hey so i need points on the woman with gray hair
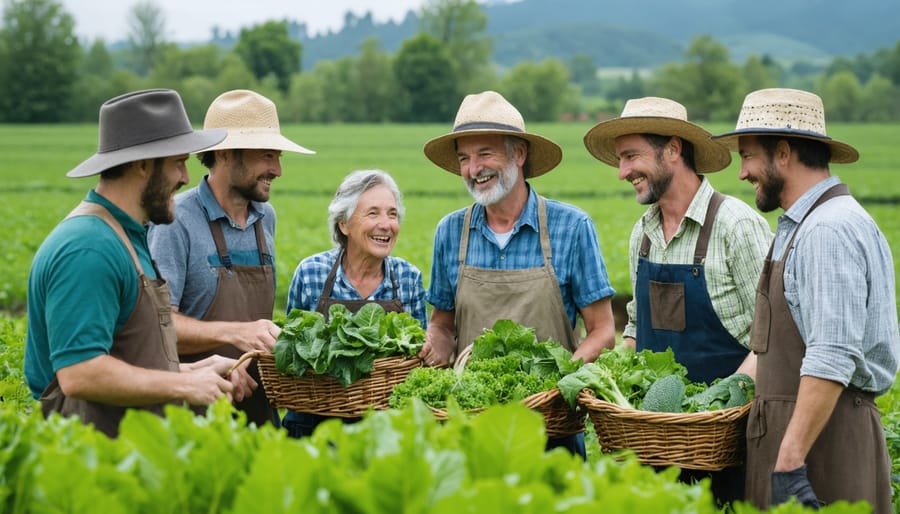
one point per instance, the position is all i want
(364, 219)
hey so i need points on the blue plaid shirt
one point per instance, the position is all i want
(312, 272)
(576, 260)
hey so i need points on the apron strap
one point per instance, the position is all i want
(464, 237)
(832, 192)
(262, 249)
(546, 251)
(95, 209)
(706, 230)
(261, 246)
(221, 248)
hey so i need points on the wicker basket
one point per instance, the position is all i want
(321, 394)
(559, 419)
(708, 441)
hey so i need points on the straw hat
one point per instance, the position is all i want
(251, 120)
(788, 112)
(489, 113)
(144, 125)
(652, 115)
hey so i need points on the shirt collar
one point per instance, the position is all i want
(700, 204)
(128, 223)
(214, 211)
(529, 216)
(806, 201)
(696, 211)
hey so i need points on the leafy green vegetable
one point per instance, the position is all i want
(507, 364)
(347, 345)
(732, 391)
(653, 381)
(621, 375)
(597, 378)
(664, 395)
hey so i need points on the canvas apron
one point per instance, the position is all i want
(530, 296)
(243, 293)
(303, 424)
(849, 460)
(674, 310)
(147, 340)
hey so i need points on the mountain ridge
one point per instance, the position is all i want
(644, 33)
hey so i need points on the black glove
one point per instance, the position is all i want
(787, 484)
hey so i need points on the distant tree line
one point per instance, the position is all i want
(47, 75)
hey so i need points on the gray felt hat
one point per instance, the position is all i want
(144, 125)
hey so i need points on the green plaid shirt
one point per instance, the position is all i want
(737, 248)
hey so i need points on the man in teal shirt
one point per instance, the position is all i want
(100, 334)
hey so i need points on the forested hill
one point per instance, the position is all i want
(646, 33)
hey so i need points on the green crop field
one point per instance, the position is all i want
(35, 194)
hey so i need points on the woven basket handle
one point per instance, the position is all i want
(249, 355)
(462, 358)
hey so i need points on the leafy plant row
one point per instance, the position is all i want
(393, 461)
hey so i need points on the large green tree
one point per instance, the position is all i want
(708, 84)
(267, 49)
(461, 26)
(540, 91)
(428, 84)
(146, 36)
(93, 86)
(39, 57)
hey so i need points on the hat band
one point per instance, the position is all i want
(786, 131)
(485, 125)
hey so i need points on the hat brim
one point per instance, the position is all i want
(841, 153)
(543, 154)
(259, 139)
(709, 156)
(177, 145)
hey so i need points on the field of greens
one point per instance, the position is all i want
(153, 461)
(35, 194)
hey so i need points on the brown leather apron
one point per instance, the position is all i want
(243, 293)
(849, 460)
(146, 340)
(326, 300)
(530, 296)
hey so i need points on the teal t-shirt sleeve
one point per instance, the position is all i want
(91, 294)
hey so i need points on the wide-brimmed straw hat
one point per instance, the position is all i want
(661, 116)
(489, 113)
(251, 120)
(144, 125)
(788, 112)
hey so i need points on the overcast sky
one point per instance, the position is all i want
(192, 20)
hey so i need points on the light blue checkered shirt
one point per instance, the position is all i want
(839, 285)
(312, 272)
(577, 260)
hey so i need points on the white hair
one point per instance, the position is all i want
(347, 195)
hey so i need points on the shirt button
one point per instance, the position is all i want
(502, 257)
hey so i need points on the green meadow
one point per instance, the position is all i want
(35, 194)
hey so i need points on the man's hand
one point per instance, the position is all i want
(204, 386)
(256, 335)
(242, 383)
(794, 483)
(440, 339)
